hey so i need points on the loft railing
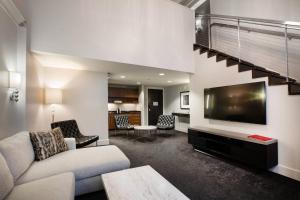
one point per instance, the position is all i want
(284, 26)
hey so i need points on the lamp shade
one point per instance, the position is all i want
(14, 80)
(53, 96)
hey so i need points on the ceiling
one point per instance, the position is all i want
(121, 73)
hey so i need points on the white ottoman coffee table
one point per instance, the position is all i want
(147, 129)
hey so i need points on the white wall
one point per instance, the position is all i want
(12, 58)
(85, 98)
(267, 9)
(283, 111)
(156, 33)
(172, 104)
(35, 96)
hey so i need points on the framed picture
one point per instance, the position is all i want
(185, 100)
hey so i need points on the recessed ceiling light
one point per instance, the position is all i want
(123, 76)
(161, 74)
(170, 81)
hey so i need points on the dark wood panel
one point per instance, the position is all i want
(123, 100)
(126, 94)
(111, 121)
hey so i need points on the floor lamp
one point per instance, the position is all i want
(53, 97)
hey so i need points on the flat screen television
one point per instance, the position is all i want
(240, 103)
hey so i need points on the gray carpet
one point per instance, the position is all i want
(199, 176)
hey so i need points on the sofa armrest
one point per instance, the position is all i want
(71, 142)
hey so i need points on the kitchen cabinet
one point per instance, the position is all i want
(124, 94)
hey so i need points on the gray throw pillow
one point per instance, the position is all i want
(47, 144)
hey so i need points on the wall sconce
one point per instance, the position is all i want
(14, 84)
(52, 97)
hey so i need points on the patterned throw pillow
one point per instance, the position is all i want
(60, 141)
(47, 144)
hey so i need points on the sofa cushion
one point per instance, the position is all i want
(47, 144)
(18, 153)
(84, 163)
(59, 187)
(6, 178)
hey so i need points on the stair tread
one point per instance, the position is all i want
(233, 58)
(221, 56)
(246, 63)
(196, 47)
(282, 77)
(294, 88)
(261, 69)
(211, 53)
(295, 83)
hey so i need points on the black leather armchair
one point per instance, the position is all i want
(166, 122)
(122, 123)
(70, 129)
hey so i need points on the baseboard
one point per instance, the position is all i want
(287, 171)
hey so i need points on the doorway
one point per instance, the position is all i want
(155, 105)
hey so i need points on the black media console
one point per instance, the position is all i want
(236, 146)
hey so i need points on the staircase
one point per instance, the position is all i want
(287, 33)
(257, 71)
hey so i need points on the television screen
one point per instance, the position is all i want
(240, 103)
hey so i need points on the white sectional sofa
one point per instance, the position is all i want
(60, 177)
